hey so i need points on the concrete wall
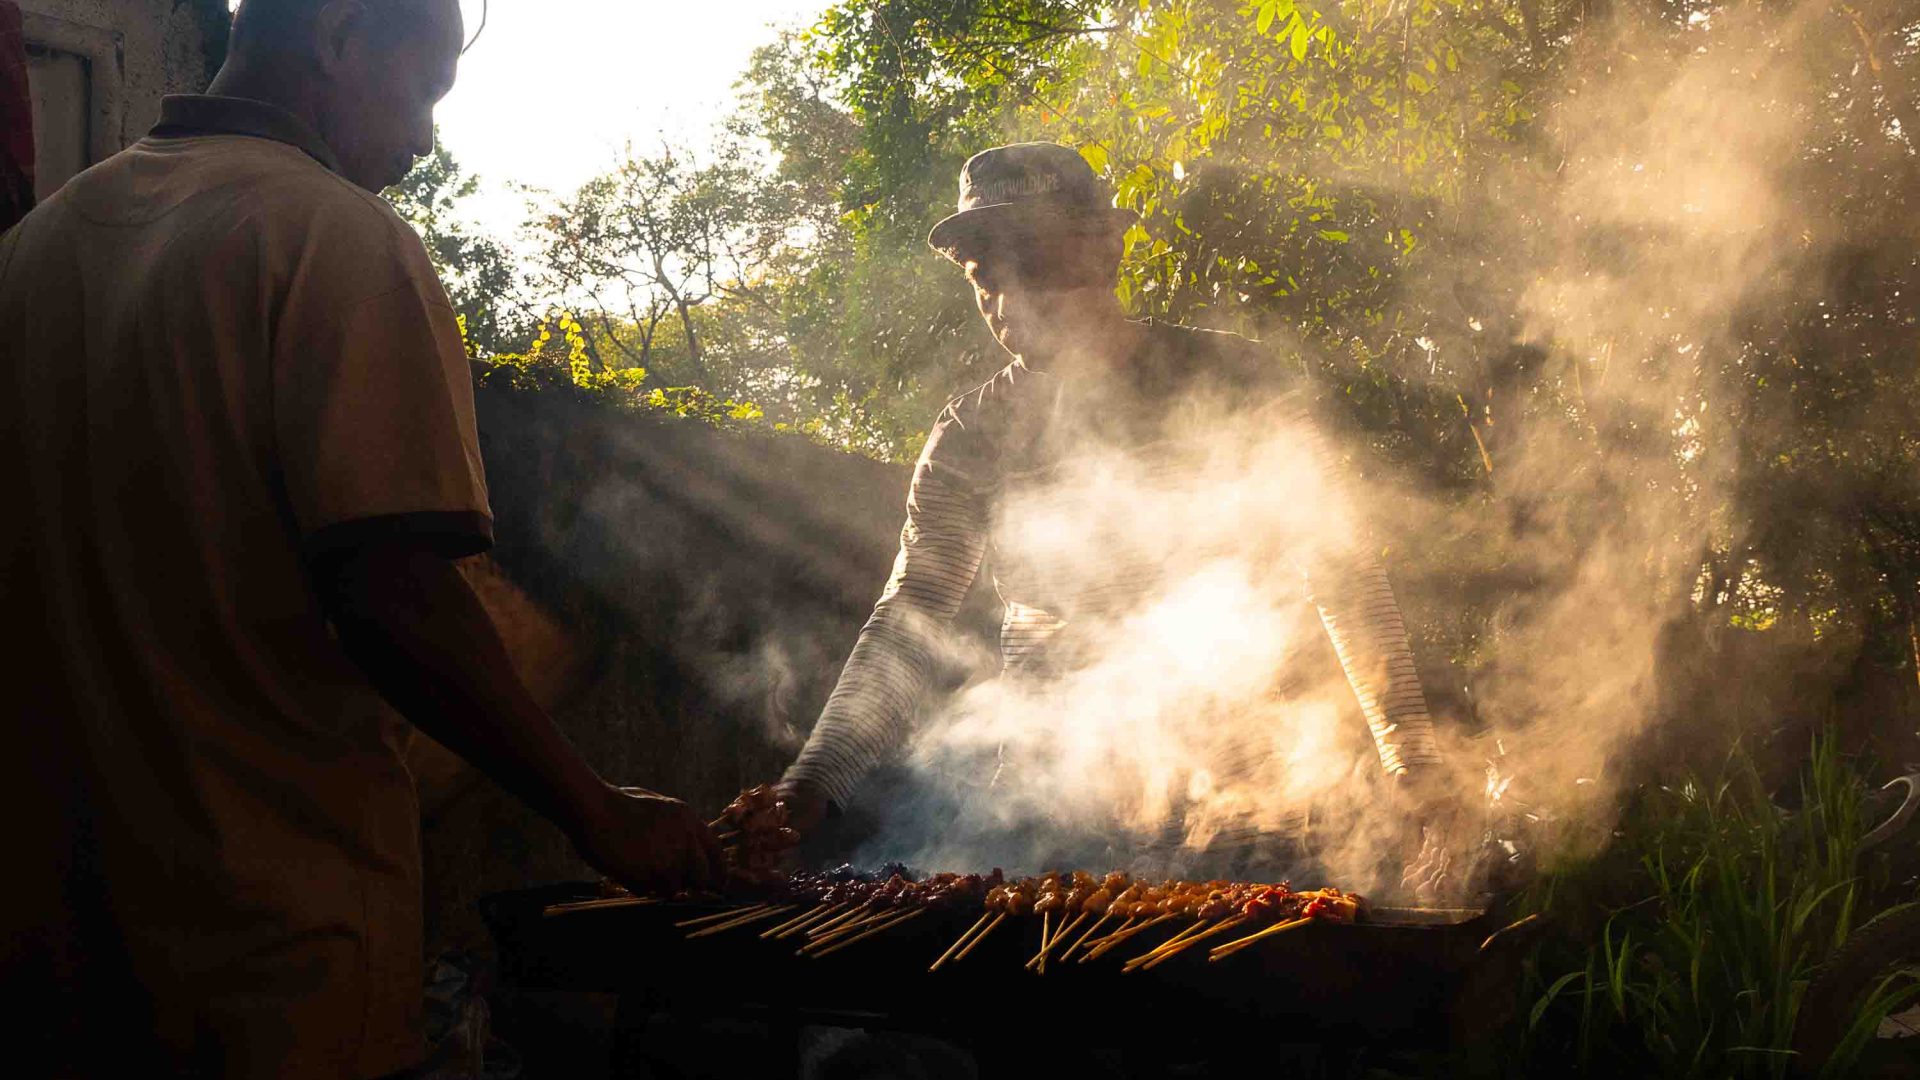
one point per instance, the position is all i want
(681, 598)
(98, 68)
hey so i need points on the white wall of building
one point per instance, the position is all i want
(97, 70)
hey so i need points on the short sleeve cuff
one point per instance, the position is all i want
(453, 534)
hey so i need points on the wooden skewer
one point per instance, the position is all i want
(1091, 930)
(844, 917)
(717, 822)
(886, 925)
(723, 916)
(1071, 927)
(716, 928)
(1172, 944)
(1166, 953)
(880, 915)
(1053, 942)
(590, 905)
(1097, 942)
(961, 940)
(1114, 939)
(806, 926)
(797, 920)
(726, 836)
(981, 936)
(854, 927)
(792, 923)
(1044, 916)
(1059, 934)
(1138, 930)
(1188, 932)
(1235, 946)
(1177, 938)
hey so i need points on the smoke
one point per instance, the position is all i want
(1205, 726)
(1201, 711)
(1670, 214)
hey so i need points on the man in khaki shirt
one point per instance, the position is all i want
(237, 455)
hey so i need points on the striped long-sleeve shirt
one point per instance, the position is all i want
(1023, 425)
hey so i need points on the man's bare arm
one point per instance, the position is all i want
(414, 626)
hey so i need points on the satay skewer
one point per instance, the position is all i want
(961, 940)
(1167, 952)
(1069, 928)
(1114, 941)
(1091, 930)
(857, 926)
(716, 928)
(981, 936)
(724, 916)
(593, 905)
(1111, 940)
(1191, 929)
(844, 917)
(806, 926)
(887, 925)
(812, 913)
(1223, 951)
(1048, 944)
(1124, 926)
(876, 915)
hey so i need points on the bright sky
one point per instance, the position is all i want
(554, 88)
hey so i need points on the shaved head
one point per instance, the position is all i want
(364, 73)
(281, 25)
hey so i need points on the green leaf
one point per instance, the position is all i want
(1546, 999)
(1301, 38)
(1095, 156)
(1334, 236)
(1265, 21)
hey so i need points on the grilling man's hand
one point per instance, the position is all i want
(650, 843)
(1430, 873)
(806, 805)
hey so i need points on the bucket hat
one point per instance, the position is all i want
(1025, 189)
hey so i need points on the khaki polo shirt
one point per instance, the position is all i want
(221, 360)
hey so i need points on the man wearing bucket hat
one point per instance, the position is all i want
(1040, 243)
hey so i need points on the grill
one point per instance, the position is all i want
(1404, 977)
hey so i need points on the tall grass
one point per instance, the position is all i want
(1688, 946)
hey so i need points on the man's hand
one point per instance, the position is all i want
(409, 619)
(806, 805)
(1438, 815)
(649, 843)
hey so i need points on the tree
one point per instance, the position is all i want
(660, 236)
(1533, 255)
(481, 277)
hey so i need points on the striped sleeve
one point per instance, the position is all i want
(1349, 587)
(941, 547)
(1362, 617)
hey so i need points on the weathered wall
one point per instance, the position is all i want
(683, 599)
(98, 68)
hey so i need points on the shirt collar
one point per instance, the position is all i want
(186, 115)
